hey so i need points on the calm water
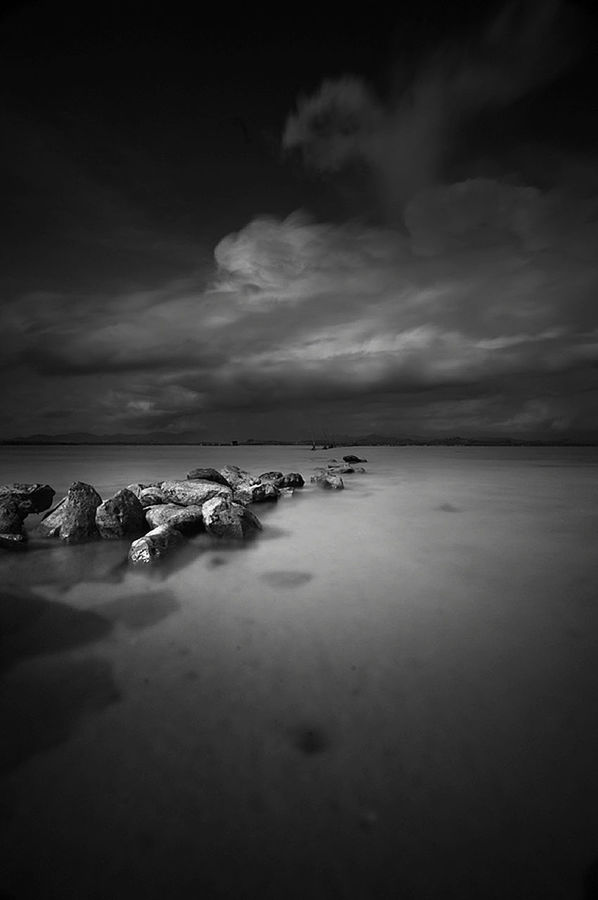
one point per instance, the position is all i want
(392, 693)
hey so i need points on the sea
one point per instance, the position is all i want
(391, 693)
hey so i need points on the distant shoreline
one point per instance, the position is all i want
(357, 443)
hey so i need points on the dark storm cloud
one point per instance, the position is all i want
(406, 138)
(475, 312)
(492, 287)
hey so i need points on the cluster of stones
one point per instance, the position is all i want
(208, 500)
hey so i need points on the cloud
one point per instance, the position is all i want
(404, 140)
(470, 316)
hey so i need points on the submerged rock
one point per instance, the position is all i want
(155, 545)
(73, 520)
(207, 474)
(350, 458)
(120, 516)
(31, 498)
(186, 518)
(328, 481)
(340, 469)
(224, 518)
(13, 541)
(193, 493)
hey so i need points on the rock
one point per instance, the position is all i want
(359, 469)
(256, 493)
(186, 518)
(340, 470)
(193, 493)
(13, 541)
(208, 475)
(74, 519)
(275, 478)
(137, 487)
(353, 459)
(151, 496)
(120, 516)
(328, 481)
(226, 519)
(293, 480)
(236, 476)
(31, 498)
(11, 516)
(155, 545)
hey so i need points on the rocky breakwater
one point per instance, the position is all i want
(159, 517)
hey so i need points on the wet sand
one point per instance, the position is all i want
(391, 693)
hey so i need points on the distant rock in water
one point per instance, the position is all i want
(350, 458)
(73, 520)
(222, 518)
(31, 498)
(120, 516)
(155, 545)
(207, 474)
(193, 493)
(340, 469)
(328, 481)
(187, 519)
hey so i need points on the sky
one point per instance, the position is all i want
(244, 224)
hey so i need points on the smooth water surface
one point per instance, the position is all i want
(393, 692)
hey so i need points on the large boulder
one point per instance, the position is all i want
(120, 516)
(256, 493)
(236, 476)
(74, 519)
(226, 519)
(187, 519)
(155, 545)
(11, 516)
(328, 481)
(351, 458)
(31, 498)
(207, 474)
(193, 493)
(12, 536)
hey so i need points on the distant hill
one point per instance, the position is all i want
(368, 440)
